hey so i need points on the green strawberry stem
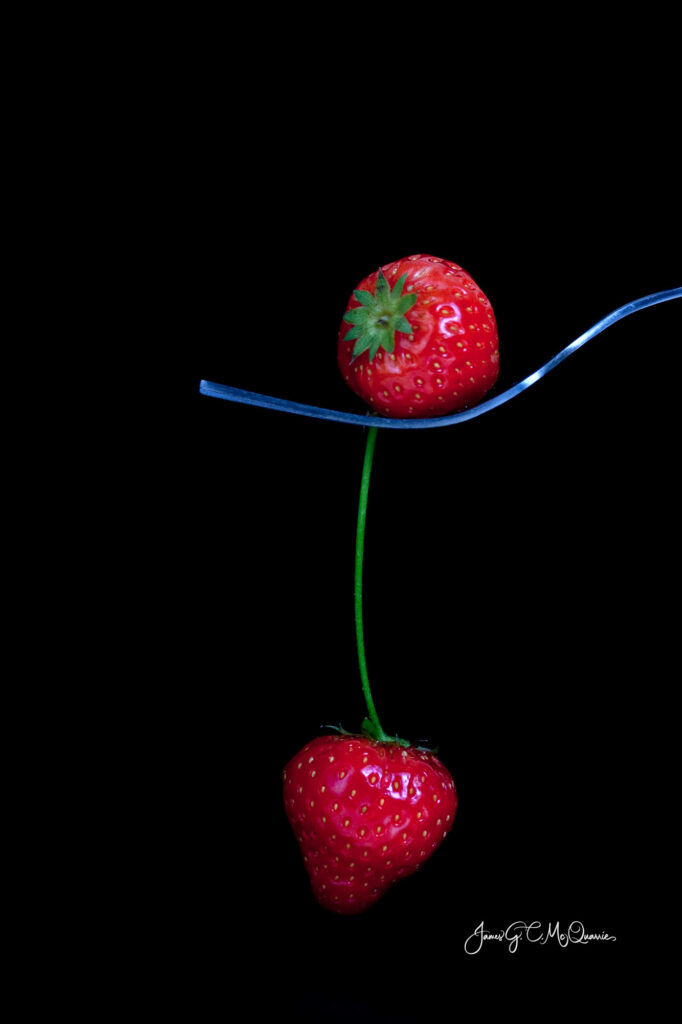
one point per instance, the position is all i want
(371, 725)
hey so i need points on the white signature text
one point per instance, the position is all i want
(534, 933)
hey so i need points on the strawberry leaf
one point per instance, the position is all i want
(405, 302)
(355, 316)
(354, 332)
(375, 344)
(397, 288)
(361, 345)
(382, 292)
(369, 729)
(377, 318)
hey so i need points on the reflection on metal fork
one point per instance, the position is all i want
(367, 419)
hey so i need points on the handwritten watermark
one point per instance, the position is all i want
(534, 933)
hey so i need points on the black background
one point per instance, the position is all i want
(514, 563)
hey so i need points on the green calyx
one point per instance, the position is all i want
(372, 732)
(369, 730)
(377, 318)
(375, 732)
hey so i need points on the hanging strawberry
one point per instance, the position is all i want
(365, 814)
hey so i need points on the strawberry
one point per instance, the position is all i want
(419, 338)
(365, 813)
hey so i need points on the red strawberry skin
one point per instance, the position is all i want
(365, 814)
(450, 360)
